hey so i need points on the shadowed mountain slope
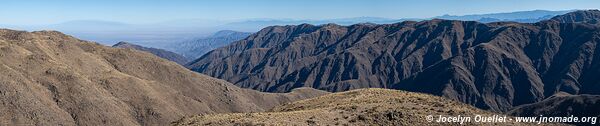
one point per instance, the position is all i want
(493, 66)
(48, 78)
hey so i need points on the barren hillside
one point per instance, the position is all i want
(356, 107)
(48, 78)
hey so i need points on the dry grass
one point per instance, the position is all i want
(357, 107)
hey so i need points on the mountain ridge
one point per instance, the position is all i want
(156, 34)
(518, 16)
(484, 64)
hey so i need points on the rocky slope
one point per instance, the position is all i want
(357, 107)
(48, 78)
(158, 52)
(192, 49)
(493, 66)
(562, 105)
(590, 16)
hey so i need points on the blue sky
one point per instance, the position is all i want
(27, 12)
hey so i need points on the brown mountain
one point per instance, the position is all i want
(590, 16)
(48, 78)
(381, 107)
(158, 52)
(492, 66)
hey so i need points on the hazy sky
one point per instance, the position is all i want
(150, 11)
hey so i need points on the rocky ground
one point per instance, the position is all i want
(357, 107)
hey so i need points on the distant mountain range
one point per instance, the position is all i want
(158, 52)
(519, 16)
(159, 35)
(255, 25)
(493, 66)
(194, 48)
(110, 32)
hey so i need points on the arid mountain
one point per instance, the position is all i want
(158, 52)
(562, 105)
(48, 78)
(381, 107)
(493, 66)
(192, 49)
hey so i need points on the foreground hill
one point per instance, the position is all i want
(493, 66)
(158, 52)
(48, 78)
(356, 107)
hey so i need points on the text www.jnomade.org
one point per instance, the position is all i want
(506, 119)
